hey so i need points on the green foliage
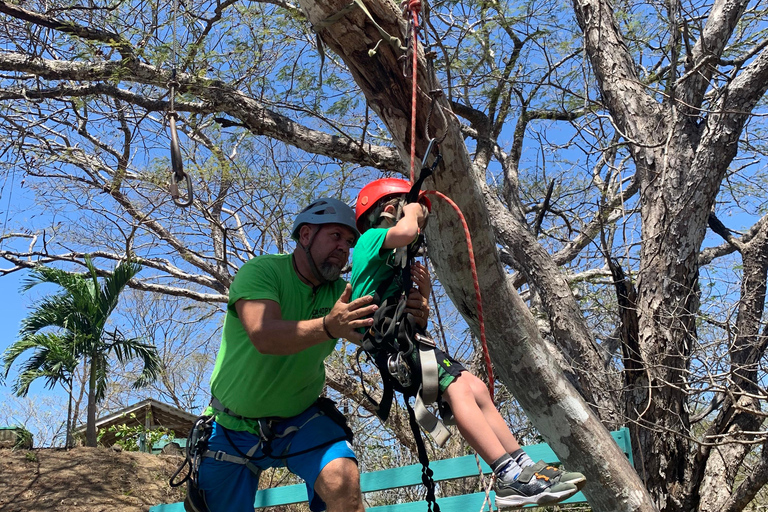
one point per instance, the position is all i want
(23, 439)
(69, 327)
(30, 457)
(129, 437)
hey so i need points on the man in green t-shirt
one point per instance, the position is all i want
(284, 315)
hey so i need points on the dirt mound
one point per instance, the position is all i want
(85, 480)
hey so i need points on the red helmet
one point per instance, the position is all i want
(379, 189)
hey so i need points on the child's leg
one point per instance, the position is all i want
(483, 427)
(471, 418)
(490, 413)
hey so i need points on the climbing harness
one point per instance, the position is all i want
(197, 446)
(197, 441)
(403, 354)
(390, 343)
(176, 163)
(267, 427)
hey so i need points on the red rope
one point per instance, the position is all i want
(478, 298)
(414, 7)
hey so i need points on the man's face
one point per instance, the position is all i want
(330, 249)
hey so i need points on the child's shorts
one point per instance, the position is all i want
(448, 369)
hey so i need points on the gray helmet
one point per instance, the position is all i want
(325, 210)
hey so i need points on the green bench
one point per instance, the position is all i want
(447, 469)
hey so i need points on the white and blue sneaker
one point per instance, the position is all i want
(534, 487)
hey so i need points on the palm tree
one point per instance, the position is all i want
(54, 359)
(78, 316)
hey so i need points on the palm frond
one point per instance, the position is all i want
(134, 348)
(54, 358)
(50, 311)
(64, 328)
(114, 284)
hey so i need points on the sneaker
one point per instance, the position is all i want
(195, 499)
(558, 475)
(532, 488)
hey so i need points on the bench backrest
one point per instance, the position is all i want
(447, 469)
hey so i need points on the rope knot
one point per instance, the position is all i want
(411, 10)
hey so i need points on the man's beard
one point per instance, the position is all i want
(329, 271)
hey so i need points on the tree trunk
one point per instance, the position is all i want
(90, 425)
(520, 355)
(70, 420)
(723, 462)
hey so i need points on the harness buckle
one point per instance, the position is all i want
(399, 369)
(265, 430)
(219, 455)
(425, 340)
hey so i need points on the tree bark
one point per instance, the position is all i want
(90, 424)
(520, 355)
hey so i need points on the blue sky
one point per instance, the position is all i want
(14, 307)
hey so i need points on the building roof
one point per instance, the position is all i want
(150, 413)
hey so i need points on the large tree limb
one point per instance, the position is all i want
(214, 97)
(89, 33)
(623, 93)
(723, 19)
(32, 259)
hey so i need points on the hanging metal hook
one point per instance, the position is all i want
(176, 163)
(433, 143)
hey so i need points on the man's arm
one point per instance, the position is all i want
(271, 335)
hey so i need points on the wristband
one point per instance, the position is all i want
(325, 328)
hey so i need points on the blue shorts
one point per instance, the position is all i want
(232, 487)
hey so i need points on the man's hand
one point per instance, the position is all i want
(347, 317)
(418, 299)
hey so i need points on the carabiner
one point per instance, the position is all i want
(399, 370)
(438, 157)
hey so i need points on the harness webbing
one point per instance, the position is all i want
(197, 441)
(426, 471)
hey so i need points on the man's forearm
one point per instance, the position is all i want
(286, 337)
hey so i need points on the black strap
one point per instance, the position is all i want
(426, 471)
(197, 444)
(382, 407)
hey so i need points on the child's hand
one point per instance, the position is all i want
(418, 306)
(417, 211)
(420, 277)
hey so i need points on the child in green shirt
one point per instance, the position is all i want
(387, 223)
